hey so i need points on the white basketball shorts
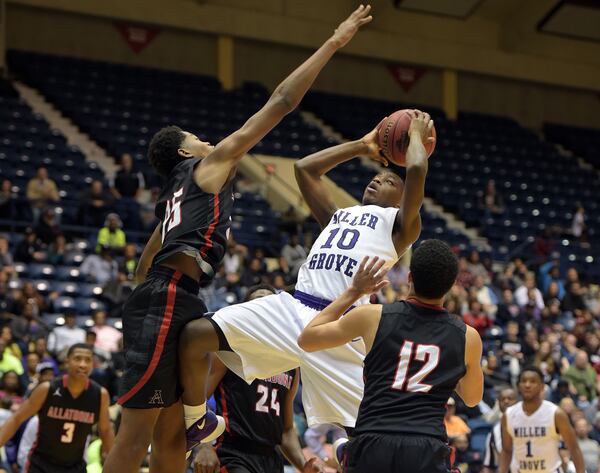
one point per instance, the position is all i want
(262, 334)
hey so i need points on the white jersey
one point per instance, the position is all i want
(352, 234)
(535, 439)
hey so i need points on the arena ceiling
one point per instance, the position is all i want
(576, 19)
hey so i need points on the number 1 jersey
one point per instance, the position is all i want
(417, 359)
(352, 234)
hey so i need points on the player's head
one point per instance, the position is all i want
(433, 269)
(170, 145)
(258, 291)
(531, 383)
(80, 358)
(507, 398)
(385, 190)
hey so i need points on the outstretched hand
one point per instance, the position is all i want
(370, 277)
(421, 123)
(348, 28)
(311, 466)
(372, 142)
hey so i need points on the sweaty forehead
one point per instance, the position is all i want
(389, 175)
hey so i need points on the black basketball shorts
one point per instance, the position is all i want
(235, 460)
(37, 464)
(153, 318)
(370, 453)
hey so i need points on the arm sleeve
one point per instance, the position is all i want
(27, 440)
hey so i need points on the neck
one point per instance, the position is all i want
(423, 300)
(75, 384)
(531, 406)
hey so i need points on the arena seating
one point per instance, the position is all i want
(584, 142)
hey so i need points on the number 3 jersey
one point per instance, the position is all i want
(193, 222)
(254, 411)
(417, 359)
(535, 439)
(352, 234)
(65, 423)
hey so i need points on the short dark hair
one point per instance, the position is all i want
(258, 287)
(434, 268)
(79, 346)
(532, 369)
(162, 152)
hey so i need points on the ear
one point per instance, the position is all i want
(184, 152)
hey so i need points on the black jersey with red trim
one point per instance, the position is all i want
(417, 359)
(254, 411)
(65, 423)
(194, 222)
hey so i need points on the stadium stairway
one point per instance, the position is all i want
(69, 130)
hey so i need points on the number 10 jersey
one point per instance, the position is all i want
(352, 234)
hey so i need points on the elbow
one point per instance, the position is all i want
(284, 101)
(305, 344)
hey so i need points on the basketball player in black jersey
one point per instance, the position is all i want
(67, 408)
(259, 417)
(184, 251)
(417, 355)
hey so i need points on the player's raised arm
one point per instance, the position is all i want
(214, 170)
(507, 448)
(408, 221)
(29, 408)
(470, 387)
(563, 425)
(312, 168)
(327, 330)
(150, 250)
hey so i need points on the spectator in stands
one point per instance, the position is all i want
(11, 388)
(11, 346)
(62, 337)
(40, 346)
(295, 254)
(465, 277)
(507, 310)
(9, 362)
(129, 263)
(95, 204)
(31, 375)
(100, 268)
(6, 258)
(545, 360)
(8, 200)
(486, 297)
(57, 251)
(573, 300)
(30, 295)
(111, 235)
(41, 192)
(508, 397)
(492, 201)
(550, 273)
(476, 267)
(523, 293)
(583, 377)
(127, 183)
(47, 229)
(29, 249)
(149, 220)
(589, 447)
(578, 226)
(107, 337)
(253, 275)
(477, 318)
(455, 426)
(29, 326)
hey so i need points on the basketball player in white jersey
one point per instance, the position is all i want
(258, 339)
(532, 431)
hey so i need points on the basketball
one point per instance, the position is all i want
(393, 137)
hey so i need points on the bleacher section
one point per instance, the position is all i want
(584, 142)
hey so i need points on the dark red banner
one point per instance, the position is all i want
(406, 76)
(137, 36)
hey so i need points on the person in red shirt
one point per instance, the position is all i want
(477, 318)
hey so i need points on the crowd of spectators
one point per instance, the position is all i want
(527, 311)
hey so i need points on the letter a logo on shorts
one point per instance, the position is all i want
(157, 398)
